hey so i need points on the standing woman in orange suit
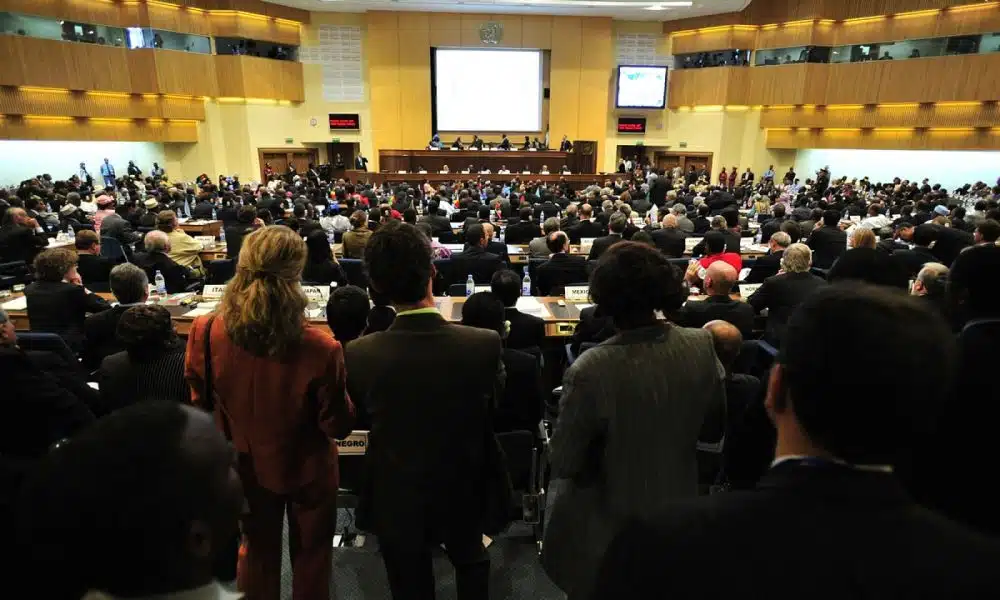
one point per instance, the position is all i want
(277, 387)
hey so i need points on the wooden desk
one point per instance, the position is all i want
(211, 228)
(575, 181)
(393, 161)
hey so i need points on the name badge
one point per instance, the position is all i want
(577, 293)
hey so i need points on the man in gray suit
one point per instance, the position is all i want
(538, 247)
(435, 470)
(683, 222)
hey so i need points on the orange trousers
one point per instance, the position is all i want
(312, 519)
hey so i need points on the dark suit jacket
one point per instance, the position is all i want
(526, 331)
(658, 191)
(439, 224)
(202, 210)
(913, 260)
(100, 336)
(124, 381)
(498, 248)
(601, 245)
(57, 307)
(20, 243)
(670, 242)
(781, 295)
(771, 227)
(94, 269)
(586, 229)
(228, 215)
(765, 266)
(177, 277)
(592, 329)
(732, 244)
(701, 225)
(477, 262)
(114, 226)
(559, 271)
(521, 232)
(697, 313)
(429, 452)
(856, 535)
(827, 244)
(949, 242)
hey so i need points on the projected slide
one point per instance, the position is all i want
(641, 87)
(488, 90)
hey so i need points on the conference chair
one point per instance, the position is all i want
(447, 237)
(99, 287)
(533, 264)
(13, 273)
(220, 271)
(456, 290)
(46, 342)
(818, 272)
(521, 456)
(680, 263)
(113, 250)
(351, 462)
(354, 268)
(82, 226)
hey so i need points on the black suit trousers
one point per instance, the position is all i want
(411, 573)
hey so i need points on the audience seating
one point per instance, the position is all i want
(13, 273)
(114, 250)
(447, 237)
(82, 226)
(220, 271)
(456, 290)
(46, 342)
(354, 268)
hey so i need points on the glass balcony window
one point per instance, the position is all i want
(258, 48)
(717, 58)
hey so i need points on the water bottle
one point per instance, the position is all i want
(470, 286)
(214, 214)
(222, 236)
(71, 233)
(161, 283)
(526, 283)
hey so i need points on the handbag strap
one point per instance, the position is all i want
(209, 390)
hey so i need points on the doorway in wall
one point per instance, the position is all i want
(668, 160)
(347, 152)
(280, 158)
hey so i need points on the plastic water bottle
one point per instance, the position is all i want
(222, 236)
(161, 283)
(214, 214)
(470, 286)
(526, 283)
(71, 233)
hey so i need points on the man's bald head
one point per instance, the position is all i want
(669, 222)
(727, 339)
(720, 277)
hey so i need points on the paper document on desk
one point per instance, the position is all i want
(200, 311)
(16, 304)
(531, 306)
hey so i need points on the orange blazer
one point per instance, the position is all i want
(282, 413)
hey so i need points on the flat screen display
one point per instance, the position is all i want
(345, 121)
(631, 124)
(641, 87)
(464, 101)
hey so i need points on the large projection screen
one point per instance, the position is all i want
(641, 87)
(466, 101)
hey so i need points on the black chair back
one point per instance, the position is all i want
(46, 342)
(456, 290)
(447, 237)
(14, 272)
(219, 272)
(354, 268)
(518, 448)
(113, 250)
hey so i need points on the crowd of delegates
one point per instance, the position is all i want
(861, 456)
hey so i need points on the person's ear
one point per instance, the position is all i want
(775, 402)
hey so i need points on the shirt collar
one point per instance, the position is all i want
(211, 591)
(419, 311)
(804, 458)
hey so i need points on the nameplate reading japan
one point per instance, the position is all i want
(345, 121)
(316, 293)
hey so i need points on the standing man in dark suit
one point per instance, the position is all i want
(432, 457)
(92, 267)
(949, 242)
(829, 241)
(616, 226)
(747, 178)
(21, 237)
(783, 293)
(669, 239)
(587, 227)
(720, 277)
(914, 259)
(769, 264)
(524, 230)
(658, 190)
(360, 162)
(130, 286)
(553, 275)
(475, 260)
(831, 493)
(526, 331)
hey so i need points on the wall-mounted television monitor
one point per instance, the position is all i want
(641, 87)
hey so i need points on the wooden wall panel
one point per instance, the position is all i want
(14, 101)
(185, 73)
(856, 83)
(718, 86)
(964, 114)
(12, 65)
(920, 139)
(536, 31)
(69, 65)
(254, 27)
(163, 16)
(142, 71)
(118, 130)
(718, 39)
(564, 114)
(229, 76)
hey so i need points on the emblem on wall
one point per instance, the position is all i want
(491, 32)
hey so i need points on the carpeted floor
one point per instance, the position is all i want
(358, 573)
